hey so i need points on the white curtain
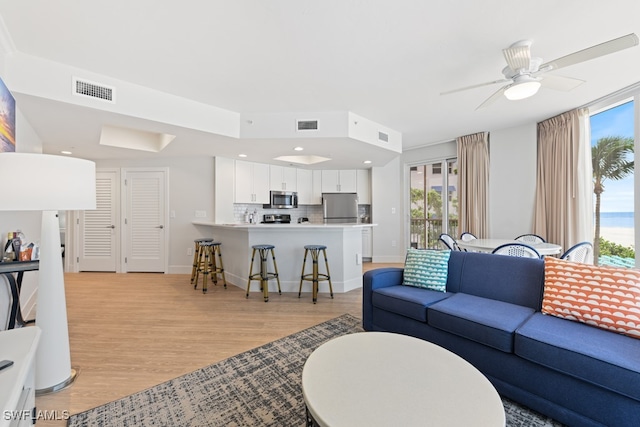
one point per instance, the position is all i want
(564, 207)
(473, 183)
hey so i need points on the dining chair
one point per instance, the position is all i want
(530, 238)
(467, 237)
(580, 252)
(516, 249)
(449, 242)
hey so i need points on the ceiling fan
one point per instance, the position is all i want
(525, 74)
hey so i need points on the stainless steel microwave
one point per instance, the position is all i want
(282, 200)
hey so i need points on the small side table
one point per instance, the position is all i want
(17, 382)
(8, 269)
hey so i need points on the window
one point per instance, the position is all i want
(612, 142)
(427, 193)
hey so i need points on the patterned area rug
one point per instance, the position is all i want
(260, 387)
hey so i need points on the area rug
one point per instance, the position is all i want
(260, 387)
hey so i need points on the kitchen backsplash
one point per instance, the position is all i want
(313, 212)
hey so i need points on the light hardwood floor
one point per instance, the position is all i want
(132, 331)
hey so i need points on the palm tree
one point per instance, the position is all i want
(609, 160)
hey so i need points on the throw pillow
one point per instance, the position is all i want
(425, 268)
(606, 297)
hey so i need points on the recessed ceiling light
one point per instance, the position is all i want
(299, 149)
(242, 155)
(366, 162)
(66, 152)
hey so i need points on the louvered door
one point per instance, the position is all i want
(145, 217)
(99, 239)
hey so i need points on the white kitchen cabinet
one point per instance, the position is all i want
(282, 178)
(251, 182)
(316, 193)
(339, 181)
(367, 243)
(309, 187)
(364, 186)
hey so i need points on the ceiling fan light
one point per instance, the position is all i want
(522, 90)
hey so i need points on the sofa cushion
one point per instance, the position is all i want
(483, 320)
(606, 297)
(594, 355)
(406, 300)
(426, 268)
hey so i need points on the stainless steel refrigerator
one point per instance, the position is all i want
(340, 207)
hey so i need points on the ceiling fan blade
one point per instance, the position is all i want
(493, 98)
(551, 81)
(592, 52)
(518, 55)
(475, 86)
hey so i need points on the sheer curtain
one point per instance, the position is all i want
(564, 207)
(473, 183)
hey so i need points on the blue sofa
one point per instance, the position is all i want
(490, 315)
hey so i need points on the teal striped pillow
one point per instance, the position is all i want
(425, 268)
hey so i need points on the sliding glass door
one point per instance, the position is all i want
(433, 203)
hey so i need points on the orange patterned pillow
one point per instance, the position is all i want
(605, 297)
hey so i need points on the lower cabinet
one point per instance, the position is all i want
(367, 243)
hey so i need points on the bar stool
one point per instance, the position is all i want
(315, 276)
(196, 255)
(264, 275)
(207, 265)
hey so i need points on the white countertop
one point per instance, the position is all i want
(292, 226)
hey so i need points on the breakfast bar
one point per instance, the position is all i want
(343, 241)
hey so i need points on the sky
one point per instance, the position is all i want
(617, 121)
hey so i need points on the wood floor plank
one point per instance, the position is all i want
(132, 331)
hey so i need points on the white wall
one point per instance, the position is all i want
(386, 211)
(190, 189)
(512, 181)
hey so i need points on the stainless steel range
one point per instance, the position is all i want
(276, 219)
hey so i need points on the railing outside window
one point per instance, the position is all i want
(425, 232)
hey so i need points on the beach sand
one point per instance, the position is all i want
(619, 235)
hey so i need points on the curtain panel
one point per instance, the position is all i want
(563, 212)
(473, 184)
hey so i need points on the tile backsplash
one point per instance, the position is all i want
(313, 212)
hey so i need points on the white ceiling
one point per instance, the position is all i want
(386, 61)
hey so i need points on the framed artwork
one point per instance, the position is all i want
(7, 119)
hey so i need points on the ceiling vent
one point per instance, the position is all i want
(304, 125)
(93, 90)
(383, 136)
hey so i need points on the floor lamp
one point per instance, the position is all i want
(41, 182)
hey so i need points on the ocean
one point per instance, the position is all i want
(616, 219)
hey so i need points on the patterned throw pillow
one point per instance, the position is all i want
(425, 268)
(606, 297)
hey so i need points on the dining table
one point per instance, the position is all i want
(488, 245)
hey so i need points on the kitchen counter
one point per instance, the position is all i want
(344, 252)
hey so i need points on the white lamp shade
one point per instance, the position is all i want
(41, 182)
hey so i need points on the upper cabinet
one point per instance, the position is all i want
(251, 182)
(309, 190)
(283, 178)
(339, 181)
(364, 186)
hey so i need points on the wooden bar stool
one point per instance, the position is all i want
(315, 276)
(196, 255)
(208, 265)
(264, 275)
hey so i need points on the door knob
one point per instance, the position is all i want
(111, 226)
(160, 227)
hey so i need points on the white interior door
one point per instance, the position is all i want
(99, 234)
(145, 220)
